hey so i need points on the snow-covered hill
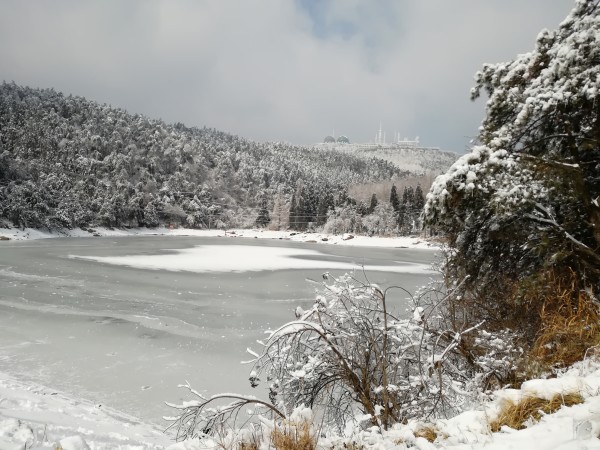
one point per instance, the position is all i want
(408, 155)
(66, 161)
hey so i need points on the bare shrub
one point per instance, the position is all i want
(213, 416)
(353, 362)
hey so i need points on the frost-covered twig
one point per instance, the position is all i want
(198, 417)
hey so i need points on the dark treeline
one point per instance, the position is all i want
(69, 162)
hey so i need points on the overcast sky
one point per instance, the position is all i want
(277, 70)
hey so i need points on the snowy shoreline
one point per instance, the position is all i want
(318, 238)
(39, 418)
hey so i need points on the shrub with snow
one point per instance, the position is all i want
(354, 362)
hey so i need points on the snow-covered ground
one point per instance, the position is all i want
(35, 417)
(570, 428)
(345, 239)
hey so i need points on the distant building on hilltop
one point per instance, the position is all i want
(407, 154)
(379, 143)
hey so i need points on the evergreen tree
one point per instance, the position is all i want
(408, 198)
(150, 216)
(402, 220)
(522, 207)
(263, 218)
(394, 199)
(311, 206)
(293, 216)
(325, 205)
(373, 203)
(298, 212)
(418, 198)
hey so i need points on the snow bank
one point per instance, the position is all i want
(570, 428)
(321, 238)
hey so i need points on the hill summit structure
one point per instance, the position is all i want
(405, 153)
(379, 142)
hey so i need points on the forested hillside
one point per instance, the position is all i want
(69, 162)
(420, 160)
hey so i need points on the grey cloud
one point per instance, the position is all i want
(257, 68)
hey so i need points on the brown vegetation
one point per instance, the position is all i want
(553, 316)
(252, 444)
(428, 432)
(569, 324)
(516, 415)
(294, 436)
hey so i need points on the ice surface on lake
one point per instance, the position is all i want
(125, 336)
(243, 258)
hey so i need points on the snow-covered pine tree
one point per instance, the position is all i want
(525, 200)
(373, 203)
(326, 204)
(394, 199)
(418, 198)
(263, 218)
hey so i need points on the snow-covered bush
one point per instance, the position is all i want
(350, 354)
(343, 219)
(353, 361)
(381, 222)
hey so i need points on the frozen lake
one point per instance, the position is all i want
(123, 321)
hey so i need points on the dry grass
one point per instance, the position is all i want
(570, 325)
(253, 444)
(516, 415)
(294, 436)
(553, 313)
(427, 432)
